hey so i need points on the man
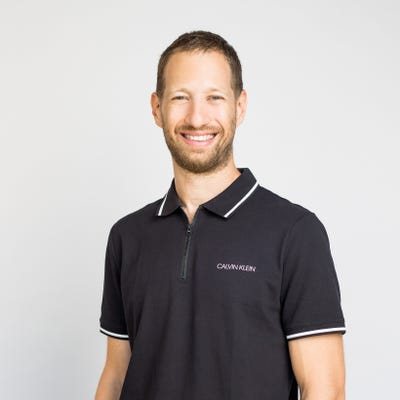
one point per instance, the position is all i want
(221, 289)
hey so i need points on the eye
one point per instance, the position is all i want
(180, 97)
(216, 97)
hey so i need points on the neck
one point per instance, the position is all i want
(195, 189)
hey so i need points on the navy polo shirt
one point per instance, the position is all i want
(208, 307)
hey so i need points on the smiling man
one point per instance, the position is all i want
(220, 289)
(200, 112)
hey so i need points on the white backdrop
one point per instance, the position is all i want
(79, 150)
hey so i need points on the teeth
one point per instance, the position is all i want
(199, 138)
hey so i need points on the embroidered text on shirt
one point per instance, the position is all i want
(237, 267)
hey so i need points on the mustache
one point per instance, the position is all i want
(191, 128)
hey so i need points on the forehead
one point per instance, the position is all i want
(197, 69)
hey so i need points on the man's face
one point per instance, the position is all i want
(198, 111)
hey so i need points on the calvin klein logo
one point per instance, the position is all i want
(237, 267)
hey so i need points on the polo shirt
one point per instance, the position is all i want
(208, 307)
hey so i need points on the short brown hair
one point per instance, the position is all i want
(201, 41)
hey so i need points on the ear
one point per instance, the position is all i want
(241, 106)
(156, 109)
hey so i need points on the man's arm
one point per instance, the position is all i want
(318, 365)
(112, 378)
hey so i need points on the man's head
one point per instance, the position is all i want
(201, 41)
(199, 101)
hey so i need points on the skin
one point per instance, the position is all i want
(319, 366)
(116, 365)
(198, 99)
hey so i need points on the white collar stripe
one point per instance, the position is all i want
(162, 205)
(242, 200)
(117, 335)
(315, 332)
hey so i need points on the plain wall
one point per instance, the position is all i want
(79, 149)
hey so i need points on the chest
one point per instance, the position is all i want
(208, 266)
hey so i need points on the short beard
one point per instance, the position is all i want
(215, 162)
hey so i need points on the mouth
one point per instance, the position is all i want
(198, 139)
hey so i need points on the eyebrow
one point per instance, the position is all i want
(211, 89)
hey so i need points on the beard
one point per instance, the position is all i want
(217, 158)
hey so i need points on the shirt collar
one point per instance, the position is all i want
(224, 204)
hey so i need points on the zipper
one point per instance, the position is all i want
(188, 235)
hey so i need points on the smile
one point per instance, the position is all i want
(199, 138)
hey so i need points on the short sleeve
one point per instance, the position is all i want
(310, 293)
(112, 319)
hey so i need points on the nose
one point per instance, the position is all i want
(197, 114)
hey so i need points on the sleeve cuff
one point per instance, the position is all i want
(341, 329)
(113, 334)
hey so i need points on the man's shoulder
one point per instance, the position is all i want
(278, 208)
(138, 218)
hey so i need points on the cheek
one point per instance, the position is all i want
(225, 116)
(173, 116)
